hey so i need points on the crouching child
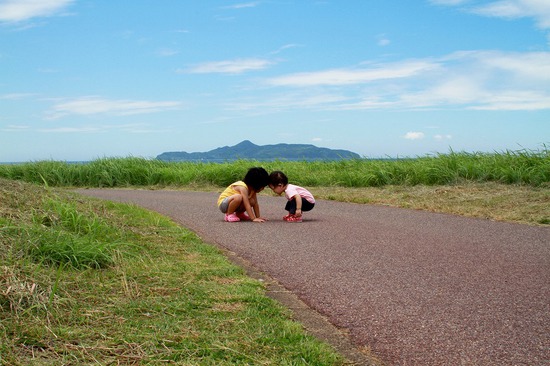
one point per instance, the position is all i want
(298, 198)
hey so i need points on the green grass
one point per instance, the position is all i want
(85, 282)
(521, 167)
(494, 201)
(88, 282)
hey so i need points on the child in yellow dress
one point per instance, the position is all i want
(239, 201)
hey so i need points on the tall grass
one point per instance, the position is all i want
(59, 234)
(523, 167)
(85, 282)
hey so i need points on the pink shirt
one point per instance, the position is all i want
(292, 190)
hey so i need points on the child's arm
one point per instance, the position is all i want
(257, 211)
(246, 202)
(254, 213)
(298, 205)
(256, 208)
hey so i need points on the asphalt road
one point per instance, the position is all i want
(414, 288)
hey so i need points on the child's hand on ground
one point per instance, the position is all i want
(259, 219)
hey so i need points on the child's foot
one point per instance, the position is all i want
(231, 218)
(292, 218)
(243, 216)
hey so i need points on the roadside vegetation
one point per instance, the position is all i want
(85, 282)
(506, 186)
(522, 167)
(89, 282)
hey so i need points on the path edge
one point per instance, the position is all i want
(313, 322)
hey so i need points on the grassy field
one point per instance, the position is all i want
(87, 282)
(493, 201)
(507, 186)
(512, 167)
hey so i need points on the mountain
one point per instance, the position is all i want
(246, 150)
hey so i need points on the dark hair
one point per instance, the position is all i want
(277, 177)
(257, 178)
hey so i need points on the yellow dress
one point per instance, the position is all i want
(230, 191)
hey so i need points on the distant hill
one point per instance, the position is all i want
(249, 151)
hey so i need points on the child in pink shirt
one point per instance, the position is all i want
(299, 198)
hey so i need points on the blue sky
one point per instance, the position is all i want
(83, 79)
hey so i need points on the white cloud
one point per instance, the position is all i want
(414, 135)
(70, 130)
(238, 66)
(282, 48)
(95, 105)
(537, 9)
(383, 40)
(15, 96)
(290, 100)
(533, 66)
(494, 80)
(243, 5)
(442, 137)
(482, 80)
(353, 76)
(166, 52)
(515, 101)
(448, 2)
(135, 128)
(15, 128)
(21, 10)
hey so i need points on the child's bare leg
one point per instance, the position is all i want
(235, 203)
(252, 202)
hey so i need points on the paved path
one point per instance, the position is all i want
(416, 288)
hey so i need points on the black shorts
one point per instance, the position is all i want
(291, 205)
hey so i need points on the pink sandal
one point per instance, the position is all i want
(231, 218)
(292, 218)
(243, 216)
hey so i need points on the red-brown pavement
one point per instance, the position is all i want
(414, 287)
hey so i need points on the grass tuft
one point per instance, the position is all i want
(89, 282)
